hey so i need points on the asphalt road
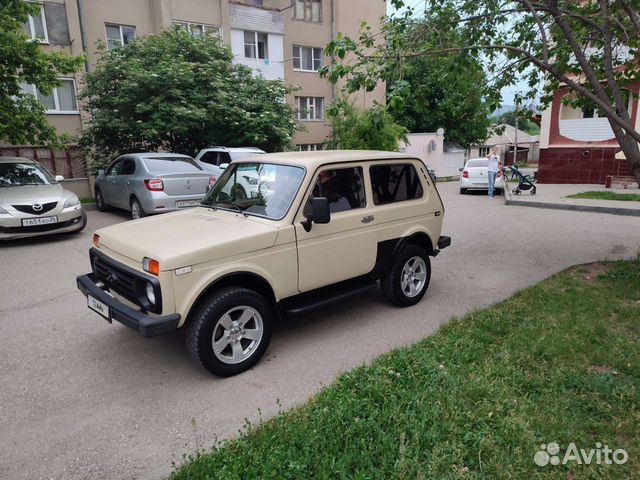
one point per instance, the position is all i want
(80, 398)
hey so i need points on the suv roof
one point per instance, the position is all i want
(234, 149)
(315, 159)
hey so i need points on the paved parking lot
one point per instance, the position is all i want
(80, 398)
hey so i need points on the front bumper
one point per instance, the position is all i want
(145, 325)
(68, 221)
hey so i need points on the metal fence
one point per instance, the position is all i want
(70, 162)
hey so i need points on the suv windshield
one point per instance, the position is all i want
(261, 189)
(15, 174)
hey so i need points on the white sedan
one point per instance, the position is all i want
(475, 176)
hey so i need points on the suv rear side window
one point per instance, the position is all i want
(211, 158)
(394, 183)
(344, 187)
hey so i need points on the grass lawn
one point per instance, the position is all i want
(557, 362)
(87, 201)
(600, 195)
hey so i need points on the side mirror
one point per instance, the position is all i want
(223, 165)
(101, 173)
(320, 213)
(59, 178)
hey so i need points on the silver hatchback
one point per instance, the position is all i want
(33, 203)
(148, 183)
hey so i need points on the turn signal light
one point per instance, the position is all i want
(96, 240)
(465, 174)
(150, 265)
(154, 185)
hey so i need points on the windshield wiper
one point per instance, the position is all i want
(233, 203)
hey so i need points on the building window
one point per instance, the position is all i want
(36, 27)
(307, 59)
(310, 147)
(199, 29)
(255, 45)
(61, 100)
(118, 35)
(307, 10)
(310, 108)
(483, 151)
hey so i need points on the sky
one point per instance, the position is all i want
(508, 93)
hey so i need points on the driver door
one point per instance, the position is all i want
(110, 191)
(346, 247)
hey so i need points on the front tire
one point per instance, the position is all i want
(136, 209)
(408, 280)
(101, 205)
(230, 332)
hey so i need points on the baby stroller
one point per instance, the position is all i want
(525, 182)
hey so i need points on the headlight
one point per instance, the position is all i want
(72, 201)
(250, 180)
(151, 295)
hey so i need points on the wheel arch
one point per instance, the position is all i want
(249, 280)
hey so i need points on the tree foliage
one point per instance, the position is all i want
(22, 117)
(444, 93)
(589, 47)
(179, 93)
(370, 129)
(523, 122)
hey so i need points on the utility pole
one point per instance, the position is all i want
(515, 152)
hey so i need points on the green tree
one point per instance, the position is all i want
(179, 92)
(590, 47)
(445, 93)
(22, 118)
(524, 124)
(370, 129)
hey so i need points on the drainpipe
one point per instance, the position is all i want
(333, 37)
(83, 37)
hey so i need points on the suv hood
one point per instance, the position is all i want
(28, 194)
(189, 237)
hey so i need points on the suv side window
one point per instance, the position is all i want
(224, 157)
(211, 158)
(344, 187)
(128, 167)
(394, 183)
(114, 169)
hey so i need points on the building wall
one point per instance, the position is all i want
(574, 149)
(275, 17)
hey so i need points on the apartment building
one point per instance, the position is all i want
(280, 39)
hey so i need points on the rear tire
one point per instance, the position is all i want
(136, 209)
(101, 205)
(230, 331)
(408, 280)
(463, 191)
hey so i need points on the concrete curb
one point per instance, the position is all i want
(563, 206)
(89, 206)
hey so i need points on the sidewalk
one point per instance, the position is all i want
(554, 196)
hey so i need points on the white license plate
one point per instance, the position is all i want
(187, 203)
(99, 307)
(32, 222)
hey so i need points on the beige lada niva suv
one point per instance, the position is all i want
(314, 228)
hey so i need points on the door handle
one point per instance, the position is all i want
(367, 219)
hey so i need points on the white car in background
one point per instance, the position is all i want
(475, 176)
(217, 159)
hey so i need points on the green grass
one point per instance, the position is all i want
(87, 201)
(600, 195)
(559, 361)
